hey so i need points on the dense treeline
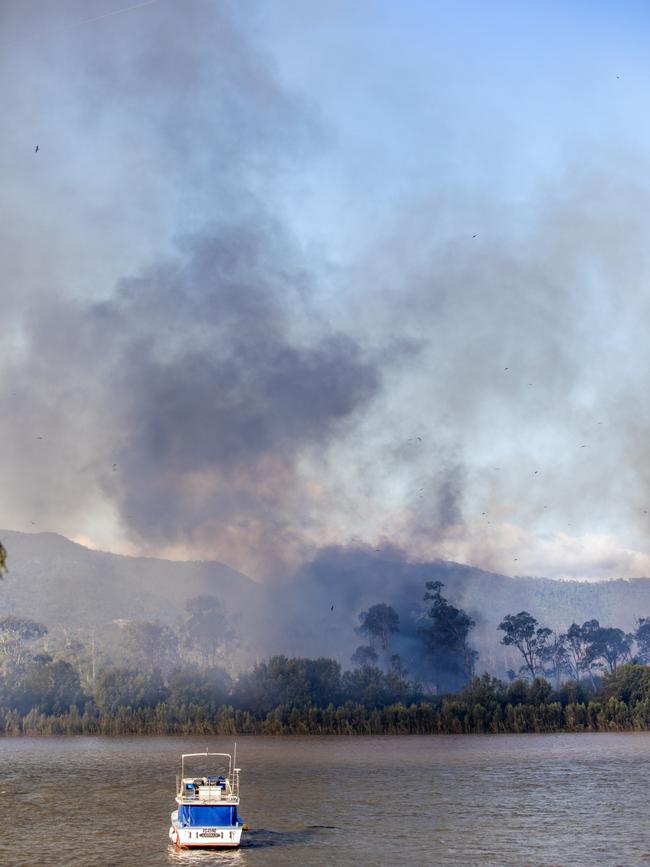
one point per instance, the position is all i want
(139, 677)
(276, 693)
(487, 705)
(131, 667)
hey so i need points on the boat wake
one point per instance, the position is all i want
(262, 838)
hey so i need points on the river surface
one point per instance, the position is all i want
(570, 799)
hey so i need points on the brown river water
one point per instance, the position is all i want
(570, 799)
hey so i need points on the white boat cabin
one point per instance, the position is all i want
(207, 804)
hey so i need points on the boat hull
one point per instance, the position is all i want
(196, 837)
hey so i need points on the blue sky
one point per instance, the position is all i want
(494, 96)
(284, 275)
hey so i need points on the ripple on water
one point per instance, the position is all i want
(543, 801)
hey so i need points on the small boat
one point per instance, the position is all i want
(207, 803)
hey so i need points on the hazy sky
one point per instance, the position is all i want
(290, 274)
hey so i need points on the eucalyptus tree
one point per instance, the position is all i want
(16, 634)
(446, 633)
(642, 639)
(608, 646)
(531, 640)
(365, 654)
(208, 629)
(380, 622)
(555, 657)
(149, 646)
(397, 678)
(578, 643)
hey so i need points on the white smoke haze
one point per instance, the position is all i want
(188, 370)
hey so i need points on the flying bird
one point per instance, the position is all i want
(332, 608)
(39, 438)
(474, 236)
(36, 149)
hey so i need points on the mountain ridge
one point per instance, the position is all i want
(62, 583)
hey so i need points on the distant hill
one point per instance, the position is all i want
(354, 578)
(56, 581)
(59, 582)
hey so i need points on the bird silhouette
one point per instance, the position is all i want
(332, 608)
(475, 236)
(36, 149)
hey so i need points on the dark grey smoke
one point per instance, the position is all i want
(208, 385)
(211, 391)
(182, 397)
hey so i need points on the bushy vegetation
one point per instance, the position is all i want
(487, 705)
(139, 677)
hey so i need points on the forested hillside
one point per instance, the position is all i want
(61, 584)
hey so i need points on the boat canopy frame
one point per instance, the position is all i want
(231, 761)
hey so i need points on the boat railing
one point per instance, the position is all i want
(221, 785)
(234, 782)
(208, 789)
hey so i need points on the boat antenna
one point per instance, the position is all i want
(234, 761)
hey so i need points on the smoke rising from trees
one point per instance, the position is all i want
(217, 345)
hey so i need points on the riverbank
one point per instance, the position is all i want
(620, 703)
(348, 720)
